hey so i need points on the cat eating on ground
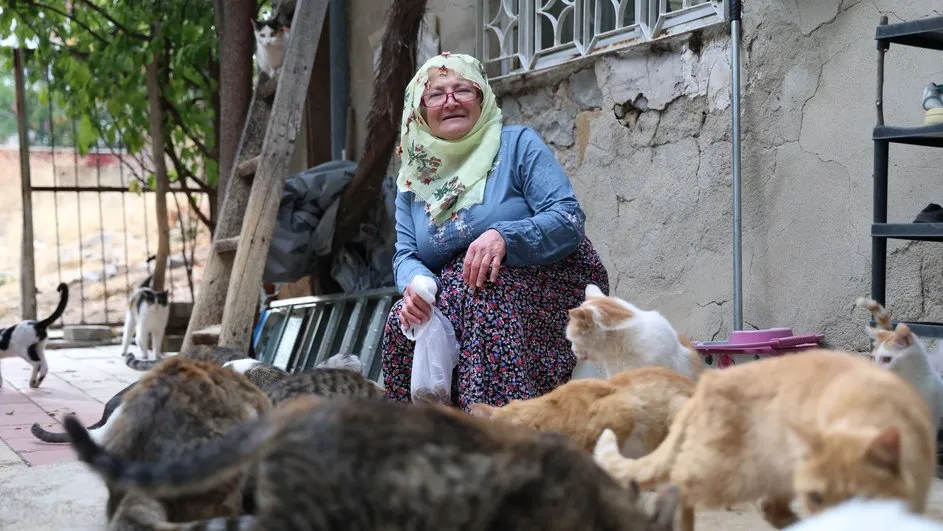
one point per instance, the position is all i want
(147, 315)
(638, 405)
(271, 41)
(27, 339)
(180, 405)
(354, 464)
(620, 336)
(823, 426)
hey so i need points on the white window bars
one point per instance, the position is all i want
(517, 36)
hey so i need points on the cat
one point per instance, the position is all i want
(260, 373)
(213, 354)
(354, 464)
(620, 336)
(27, 339)
(868, 515)
(271, 41)
(338, 376)
(903, 353)
(148, 313)
(823, 426)
(639, 405)
(176, 407)
(111, 408)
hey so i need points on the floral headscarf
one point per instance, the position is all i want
(448, 175)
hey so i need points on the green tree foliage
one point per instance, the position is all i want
(95, 53)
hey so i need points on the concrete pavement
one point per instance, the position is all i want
(43, 487)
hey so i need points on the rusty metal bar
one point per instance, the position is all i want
(78, 205)
(55, 181)
(101, 231)
(117, 189)
(27, 258)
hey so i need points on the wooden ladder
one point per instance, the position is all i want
(225, 305)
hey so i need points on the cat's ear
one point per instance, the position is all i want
(255, 25)
(610, 315)
(592, 290)
(884, 450)
(666, 505)
(808, 440)
(903, 337)
(581, 315)
(482, 410)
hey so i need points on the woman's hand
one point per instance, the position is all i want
(486, 251)
(415, 310)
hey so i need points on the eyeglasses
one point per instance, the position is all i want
(462, 95)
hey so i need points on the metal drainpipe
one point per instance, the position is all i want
(340, 78)
(735, 13)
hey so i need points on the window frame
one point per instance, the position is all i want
(520, 35)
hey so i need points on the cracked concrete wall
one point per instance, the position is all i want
(645, 137)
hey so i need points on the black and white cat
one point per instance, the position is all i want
(271, 41)
(147, 315)
(27, 340)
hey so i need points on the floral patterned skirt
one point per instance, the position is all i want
(511, 334)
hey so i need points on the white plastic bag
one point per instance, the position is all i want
(436, 352)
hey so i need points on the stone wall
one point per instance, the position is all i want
(645, 137)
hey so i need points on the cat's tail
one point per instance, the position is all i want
(881, 315)
(196, 471)
(139, 365)
(63, 290)
(651, 469)
(48, 436)
(344, 360)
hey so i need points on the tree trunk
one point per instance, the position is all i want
(160, 165)
(397, 66)
(234, 29)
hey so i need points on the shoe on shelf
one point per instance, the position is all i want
(933, 104)
(932, 213)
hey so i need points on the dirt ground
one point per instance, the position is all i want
(98, 250)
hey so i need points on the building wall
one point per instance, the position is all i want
(645, 137)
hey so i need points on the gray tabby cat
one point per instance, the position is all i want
(338, 376)
(181, 405)
(211, 354)
(355, 464)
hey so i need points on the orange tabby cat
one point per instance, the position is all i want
(821, 425)
(638, 405)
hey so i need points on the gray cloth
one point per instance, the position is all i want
(304, 229)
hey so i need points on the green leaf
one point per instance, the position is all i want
(87, 134)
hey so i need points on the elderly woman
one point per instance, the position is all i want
(489, 213)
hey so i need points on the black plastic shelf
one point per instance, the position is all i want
(927, 232)
(925, 330)
(924, 33)
(926, 135)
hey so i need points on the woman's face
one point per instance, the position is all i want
(454, 119)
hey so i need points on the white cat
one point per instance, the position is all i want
(271, 41)
(27, 339)
(147, 314)
(621, 336)
(867, 515)
(901, 351)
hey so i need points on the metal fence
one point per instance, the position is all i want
(299, 333)
(93, 221)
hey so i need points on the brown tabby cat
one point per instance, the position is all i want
(213, 354)
(638, 405)
(179, 405)
(355, 464)
(821, 425)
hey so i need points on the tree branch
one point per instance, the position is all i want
(185, 172)
(127, 31)
(175, 114)
(68, 16)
